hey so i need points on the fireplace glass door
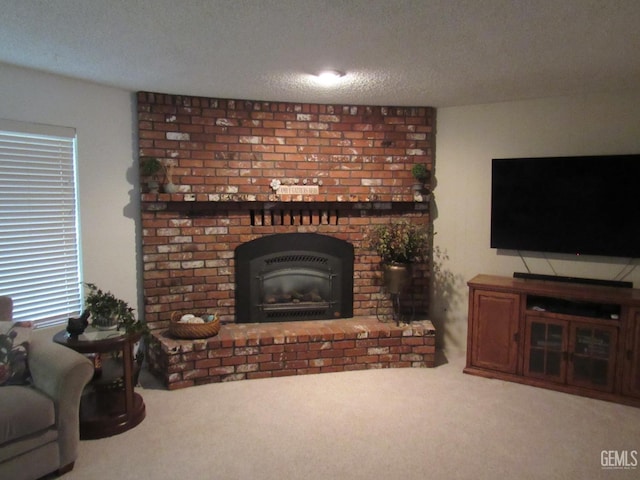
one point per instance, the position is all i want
(288, 277)
(302, 290)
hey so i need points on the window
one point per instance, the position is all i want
(39, 232)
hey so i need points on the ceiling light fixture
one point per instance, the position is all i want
(330, 77)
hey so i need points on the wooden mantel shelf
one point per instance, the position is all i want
(203, 203)
(269, 198)
(209, 208)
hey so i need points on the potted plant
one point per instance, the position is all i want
(108, 312)
(399, 243)
(149, 168)
(421, 174)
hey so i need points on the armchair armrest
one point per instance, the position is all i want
(62, 374)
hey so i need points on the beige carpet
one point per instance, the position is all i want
(382, 424)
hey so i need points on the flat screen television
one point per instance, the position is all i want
(587, 205)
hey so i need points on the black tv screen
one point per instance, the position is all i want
(586, 205)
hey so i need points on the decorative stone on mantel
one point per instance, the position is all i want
(298, 190)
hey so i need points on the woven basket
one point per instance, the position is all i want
(193, 330)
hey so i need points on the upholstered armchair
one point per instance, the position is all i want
(39, 421)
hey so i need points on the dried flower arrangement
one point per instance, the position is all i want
(399, 241)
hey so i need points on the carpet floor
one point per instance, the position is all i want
(395, 423)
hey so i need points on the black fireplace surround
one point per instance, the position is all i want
(294, 276)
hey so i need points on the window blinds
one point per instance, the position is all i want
(39, 240)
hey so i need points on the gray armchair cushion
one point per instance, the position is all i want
(31, 412)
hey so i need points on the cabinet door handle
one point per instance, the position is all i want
(516, 336)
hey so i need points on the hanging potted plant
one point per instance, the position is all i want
(150, 168)
(108, 312)
(399, 244)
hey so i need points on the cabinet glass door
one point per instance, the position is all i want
(631, 379)
(545, 350)
(592, 360)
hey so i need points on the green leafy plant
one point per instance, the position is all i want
(150, 166)
(420, 172)
(399, 241)
(105, 305)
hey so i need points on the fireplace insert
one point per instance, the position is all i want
(294, 276)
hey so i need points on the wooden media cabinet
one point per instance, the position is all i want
(575, 338)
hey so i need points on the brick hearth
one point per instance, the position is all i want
(248, 351)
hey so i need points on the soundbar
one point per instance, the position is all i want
(563, 279)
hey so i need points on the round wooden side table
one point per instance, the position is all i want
(109, 405)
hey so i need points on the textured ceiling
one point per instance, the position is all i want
(395, 52)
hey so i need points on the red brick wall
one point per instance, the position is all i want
(227, 152)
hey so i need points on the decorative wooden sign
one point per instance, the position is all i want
(298, 190)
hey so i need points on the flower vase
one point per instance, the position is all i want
(105, 323)
(396, 276)
(170, 188)
(153, 186)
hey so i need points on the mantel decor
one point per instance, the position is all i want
(399, 244)
(169, 186)
(421, 174)
(399, 241)
(150, 167)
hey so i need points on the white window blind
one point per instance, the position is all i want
(39, 234)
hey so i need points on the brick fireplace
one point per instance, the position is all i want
(249, 169)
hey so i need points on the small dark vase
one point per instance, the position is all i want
(396, 276)
(76, 326)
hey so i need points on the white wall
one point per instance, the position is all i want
(467, 139)
(109, 201)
